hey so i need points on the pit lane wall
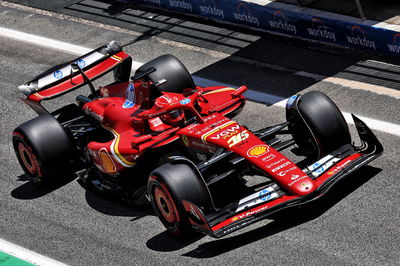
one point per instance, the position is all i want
(291, 20)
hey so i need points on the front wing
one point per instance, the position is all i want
(325, 173)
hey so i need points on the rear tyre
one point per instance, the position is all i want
(170, 184)
(43, 149)
(168, 67)
(316, 123)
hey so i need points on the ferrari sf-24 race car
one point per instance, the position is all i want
(158, 137)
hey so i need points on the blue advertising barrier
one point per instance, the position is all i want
(289, 22)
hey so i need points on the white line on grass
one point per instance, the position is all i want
(27, 255)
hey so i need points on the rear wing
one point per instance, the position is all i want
(61, 79)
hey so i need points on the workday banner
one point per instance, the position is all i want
(289, 21)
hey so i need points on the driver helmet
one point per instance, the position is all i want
(173, 118)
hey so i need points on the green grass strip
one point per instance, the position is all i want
(8, 260)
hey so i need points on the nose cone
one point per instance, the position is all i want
(303, 187)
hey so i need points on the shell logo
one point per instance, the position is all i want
(257, 151)
(235, 219)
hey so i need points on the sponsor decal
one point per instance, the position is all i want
(338, 168)
(94, 114)
(275, 163)
(297, 180)
(155, 122)
(181, 4)
(209, 8)
(280, 22)
(207, 134)
(66, 70)
(245, 14)
(227, 132)
(185, 140)
(291, 101)
(394, 47)
(236, 139)
(319, 30)
(203, 146)
(249, 213)
(359, 37)
(233, 228)
(257, 151)
(156, 2)
(294, 177)
(265, 194)
(185, 101)
(130, 97)
(280, 167)
(58, 74)
(81, 63)
(234, 218)
(283, 173)
(212, 128)
(192, 126)
(322, 165)
(269, 157)
(256, 198)
(208, 118)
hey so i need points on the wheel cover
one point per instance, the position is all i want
(28, 159)
(165, 205)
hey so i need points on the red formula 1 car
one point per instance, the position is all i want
(158, 137)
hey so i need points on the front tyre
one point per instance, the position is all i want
(316, 123)
(168, 185)
(43, 148)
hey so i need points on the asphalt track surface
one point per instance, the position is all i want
(356, 224)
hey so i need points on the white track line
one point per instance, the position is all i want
(390, 128)
(352, 84)
(27, 255)
(43, 41)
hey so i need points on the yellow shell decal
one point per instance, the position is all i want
(235, 219)
(257, 151)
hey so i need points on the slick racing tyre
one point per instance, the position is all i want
(168, 185)
(316, 124)
(43, 149)
(168, 67)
